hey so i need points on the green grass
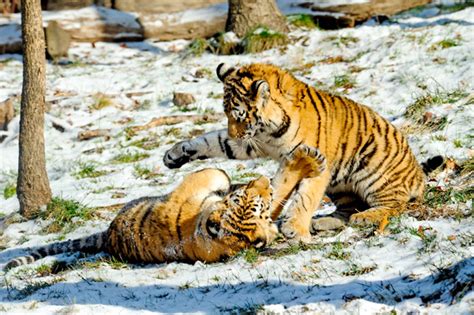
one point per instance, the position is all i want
(88, 170)
(245, 176)
(64, 215)
(100, 101)
(9, 190)
(418, 108)
(293, 249)
(457, 143)
(130, 157)
(437, 197)
(356, 270)
(197, 47)
(250, 255)
(261, 39)
(146, 143)
(344, 81)
(337, 252)
(302, 21)
(111, 261)
(445, 43)
(144, 172)
(467, 166)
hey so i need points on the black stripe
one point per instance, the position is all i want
(219, 140)
(228, 149)
(283, 128)
(249, 150)
(178, 225)
(318, 120)
(148, 212)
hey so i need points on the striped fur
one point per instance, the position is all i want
(270, 113)
(193, 223)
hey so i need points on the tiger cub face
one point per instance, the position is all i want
(248, 105)
(243, 218)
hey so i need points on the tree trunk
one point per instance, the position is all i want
(246, 15)
(33, 186)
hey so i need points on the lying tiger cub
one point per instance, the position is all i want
(270, 112)
(194, 222)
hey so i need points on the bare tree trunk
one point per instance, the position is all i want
(245, 15)
(33, 186)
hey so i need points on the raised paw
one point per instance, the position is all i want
(294, 231)
(179, 154)
(306, 160)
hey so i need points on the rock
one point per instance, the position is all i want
(183, 99)
(7, 112)
(58, 40)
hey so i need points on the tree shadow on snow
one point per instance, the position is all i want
(445, 286)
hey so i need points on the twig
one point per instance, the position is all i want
(176, 119)
(89, 134)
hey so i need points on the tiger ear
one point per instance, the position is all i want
(261, 88)
(223, 71)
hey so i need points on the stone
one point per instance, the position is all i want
(58, 40)
(183, 99)
(7, 112)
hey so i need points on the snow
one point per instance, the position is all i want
(394, 65)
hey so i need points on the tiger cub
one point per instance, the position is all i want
(270, 113)
(194, 222)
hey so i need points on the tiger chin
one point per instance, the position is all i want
(193, 223)
(270, 112)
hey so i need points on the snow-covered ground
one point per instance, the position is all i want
(112, 86)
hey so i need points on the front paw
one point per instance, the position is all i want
(295, 231)
(179, 154)
(307, 160)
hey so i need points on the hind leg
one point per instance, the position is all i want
(381, 208)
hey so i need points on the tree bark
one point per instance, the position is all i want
(33, 186)
(245, 15)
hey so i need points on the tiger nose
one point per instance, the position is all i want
(259, 242)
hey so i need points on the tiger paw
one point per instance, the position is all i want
(294, 231)
(179, 154)
(371, 216)
(307, 160)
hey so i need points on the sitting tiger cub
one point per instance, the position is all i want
(270, 113)
(194, 222)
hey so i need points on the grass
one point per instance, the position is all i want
(445, 43)
(111, 261)
(437, 197)
(9, 190)
(356, 270)
(250, 255)
(342, 40)
(302, 21)
(293, 249)
(457, 143)
(337, 252)
(344, 81)
(64, 215)
(245, 176)
(130, 157)
(100, 101)
(146, 143)
(197, 47)
(416, 111)
(88, 170)
(261, 39)
(427, 236)
(144, 172)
